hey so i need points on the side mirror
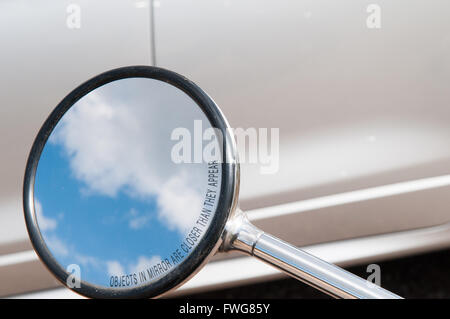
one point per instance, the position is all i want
(113, 208)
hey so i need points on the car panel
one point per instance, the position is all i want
(362, 112)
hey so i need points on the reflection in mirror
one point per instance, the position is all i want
(108, 196)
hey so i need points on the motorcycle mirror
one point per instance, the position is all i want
(132, 184)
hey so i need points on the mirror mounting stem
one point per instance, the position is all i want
(241, 235)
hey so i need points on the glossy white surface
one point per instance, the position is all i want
(358, 109)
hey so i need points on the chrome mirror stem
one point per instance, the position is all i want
(241, 235)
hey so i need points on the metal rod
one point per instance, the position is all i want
(243, 236)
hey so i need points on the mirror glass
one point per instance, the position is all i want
(121, 194)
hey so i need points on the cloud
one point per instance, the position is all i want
(179, 204)
(115, 268)
(144, 263)
(119, 141)
(62, 250)
(57, 246)
(85, 260)
(45, 223)
(137, 220)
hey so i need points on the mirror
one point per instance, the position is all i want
(121, 202)
(132, 185)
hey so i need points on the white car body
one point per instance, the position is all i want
(363, 112)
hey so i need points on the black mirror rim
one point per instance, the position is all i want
(229, 188)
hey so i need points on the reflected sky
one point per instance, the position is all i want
(108, 197)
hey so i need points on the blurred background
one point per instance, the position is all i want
(358, 89)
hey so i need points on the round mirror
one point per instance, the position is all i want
(129, 183)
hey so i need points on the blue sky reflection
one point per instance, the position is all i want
(107, 195)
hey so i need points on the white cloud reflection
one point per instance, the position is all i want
(57, 246)
(143, 263)
(119, 140)
(115, 268)
(137, 220)
(179, 204)
(45, 223)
